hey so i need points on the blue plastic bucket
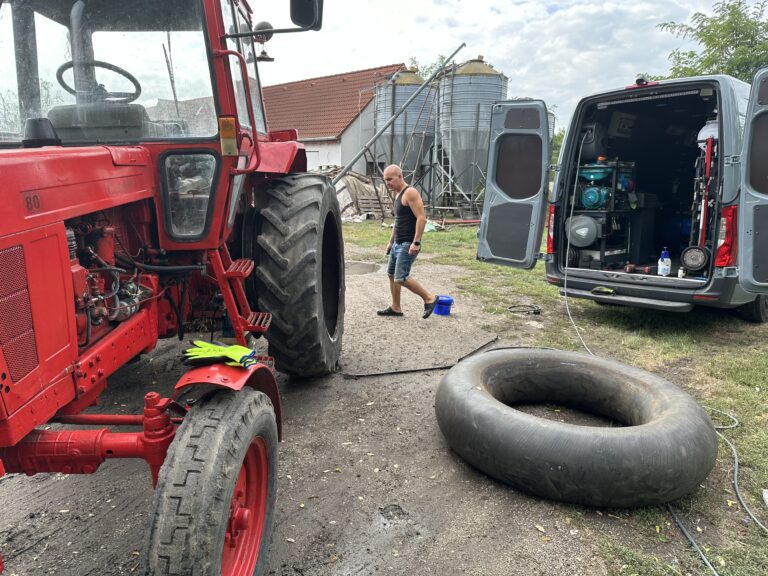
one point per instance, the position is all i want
(443, 307)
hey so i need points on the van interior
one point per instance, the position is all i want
(642, 180)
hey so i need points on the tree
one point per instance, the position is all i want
(557, 142)
(10, 121)
(734, 41)
(427, 70)
(9, 113)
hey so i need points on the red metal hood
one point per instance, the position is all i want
(44, 185)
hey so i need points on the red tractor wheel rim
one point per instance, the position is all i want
(247, 511)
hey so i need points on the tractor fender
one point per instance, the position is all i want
(259, 377)
(282, 157)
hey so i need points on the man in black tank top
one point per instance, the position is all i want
(405, 243)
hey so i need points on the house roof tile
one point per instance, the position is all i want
(323, 107)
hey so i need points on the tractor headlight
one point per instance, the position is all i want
(188, 188)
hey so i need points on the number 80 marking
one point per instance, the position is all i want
(32, 202)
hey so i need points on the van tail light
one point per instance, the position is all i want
(726, 238)
(551, 230)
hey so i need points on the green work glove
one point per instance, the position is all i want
(207, 353)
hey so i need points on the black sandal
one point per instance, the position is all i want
(388, 312)
(429, 308)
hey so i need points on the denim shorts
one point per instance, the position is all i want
(400, 261)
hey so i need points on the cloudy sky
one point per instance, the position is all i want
(556, 50)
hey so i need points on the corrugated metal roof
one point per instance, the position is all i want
(409, 76)
(323, 107)
(477, 66)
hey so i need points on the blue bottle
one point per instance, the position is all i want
(665, 263)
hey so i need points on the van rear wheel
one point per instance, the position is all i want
(756, 311)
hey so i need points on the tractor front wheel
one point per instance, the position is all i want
(294, 237)
(213, 508)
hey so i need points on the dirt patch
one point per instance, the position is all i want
(367, 484)
(376, 345)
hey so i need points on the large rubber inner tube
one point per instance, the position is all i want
(665, 449)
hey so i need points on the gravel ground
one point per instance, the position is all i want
(367, 484)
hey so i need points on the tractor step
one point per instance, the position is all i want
(258, 322)
(240, 268)
(268, 361)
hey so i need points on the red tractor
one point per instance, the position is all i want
(139, 187)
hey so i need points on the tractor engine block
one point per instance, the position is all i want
(104, 291)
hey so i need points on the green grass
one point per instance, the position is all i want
(625, 561)
(716, 356)
(369, 234)
(622, 560)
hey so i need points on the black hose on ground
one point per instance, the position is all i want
(411, 370)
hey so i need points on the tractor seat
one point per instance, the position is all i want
(98, 122)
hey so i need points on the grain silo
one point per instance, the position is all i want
(408, 141)
(466, 94)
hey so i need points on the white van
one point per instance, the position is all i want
(678, 167)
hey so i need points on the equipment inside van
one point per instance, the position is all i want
(646, 176)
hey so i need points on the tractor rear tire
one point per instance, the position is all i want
(213, 509)
(295, 240)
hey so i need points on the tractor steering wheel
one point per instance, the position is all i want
(100, 93)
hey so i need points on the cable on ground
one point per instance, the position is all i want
(568, 249)
(427, 369)
(734, 424)
(524, 309)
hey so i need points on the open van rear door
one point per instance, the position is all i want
(753, 200)
(516, 185)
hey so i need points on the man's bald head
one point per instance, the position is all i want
(393, 178)
(393, 170)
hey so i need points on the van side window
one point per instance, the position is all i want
(758, 168)
(515, 152)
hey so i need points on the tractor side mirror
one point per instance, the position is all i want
(307, 13)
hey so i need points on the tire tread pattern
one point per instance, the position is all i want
(184, 526)
(287, 276)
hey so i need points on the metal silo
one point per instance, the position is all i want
(465, 96)
(408, 140)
